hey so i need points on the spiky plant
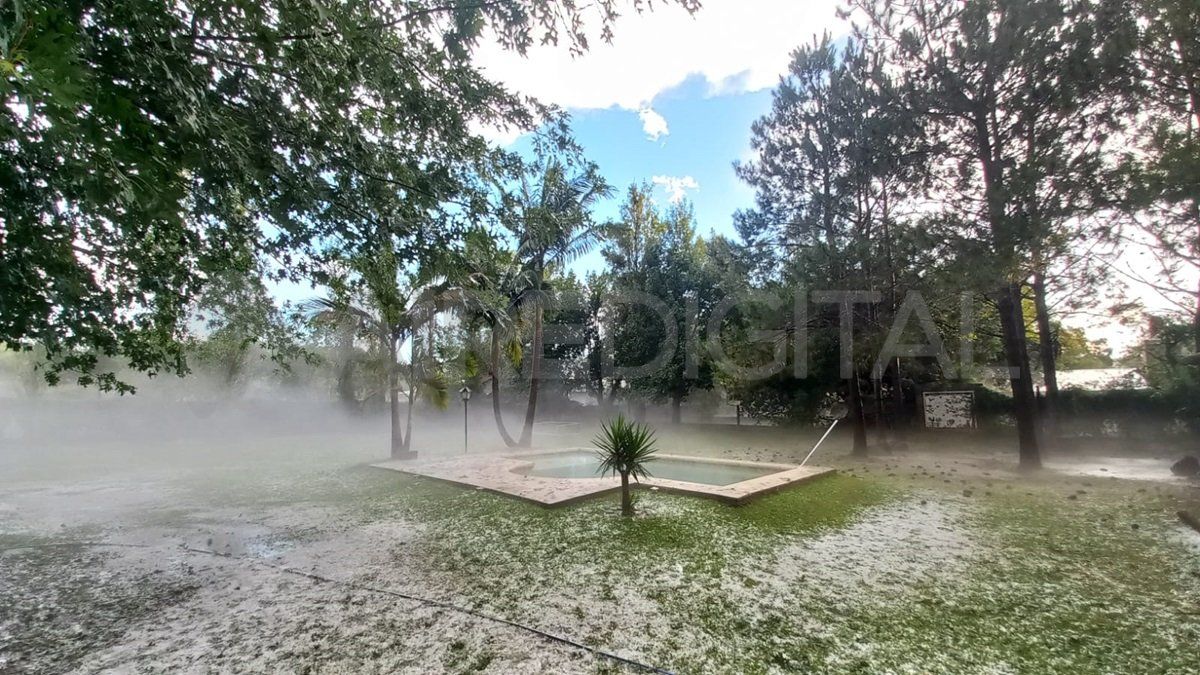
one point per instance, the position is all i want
(625, 449)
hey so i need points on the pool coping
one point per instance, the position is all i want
(501, 474)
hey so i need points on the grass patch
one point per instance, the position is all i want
(1051, 583)
(829, 501)
(60, 603)
(1066, 588)
(671, 565)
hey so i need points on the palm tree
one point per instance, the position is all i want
(553, 228)
(489, 270)
(378, 305)
(625, 449)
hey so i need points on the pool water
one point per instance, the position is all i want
(584, 464)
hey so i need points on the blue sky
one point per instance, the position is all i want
(670, 101)
(707, 134)
(673, 96)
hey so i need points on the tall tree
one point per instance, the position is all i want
(1067, 129)
(681, 278)
(552, 224)
(1168, 194)
(388, 307)
(490, 269)
(983, 71)
(832, 169)
(659, 254)
(144, 142)
(634, 330)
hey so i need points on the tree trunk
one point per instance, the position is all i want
(412, 402)
(858, 424)
(899, 417)
(1016, 354)
(1184, 38)
(345, 385)
(676, 405)
(394, 403)
(495, 375)
(1196, 256)
(626, 497)
(1049, 361)
(1012, 317)
(881, 430)
(1196, 321)
(399, 442)
(535, 377)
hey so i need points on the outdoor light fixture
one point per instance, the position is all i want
(465, 395)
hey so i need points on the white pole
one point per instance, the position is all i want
(823, 437)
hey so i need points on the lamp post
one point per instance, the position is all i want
(465, 395)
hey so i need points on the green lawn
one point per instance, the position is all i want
(887, 566)
(1056, 583)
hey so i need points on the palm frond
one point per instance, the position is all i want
(339, 312)
(625, 448)
(472, 364)
(579, 245)
(436, 389)
(514, 352)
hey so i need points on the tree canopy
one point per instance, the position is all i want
(148, 145)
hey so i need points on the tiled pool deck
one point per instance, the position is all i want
(503, 474)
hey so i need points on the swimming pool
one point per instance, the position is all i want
(560, 477)
(583, 464)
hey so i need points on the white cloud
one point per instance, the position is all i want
(676, 187)
(654, 124)
(735, 45)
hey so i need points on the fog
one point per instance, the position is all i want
(198, 425)
(184, 423)
(246, 528)
(188, 423)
